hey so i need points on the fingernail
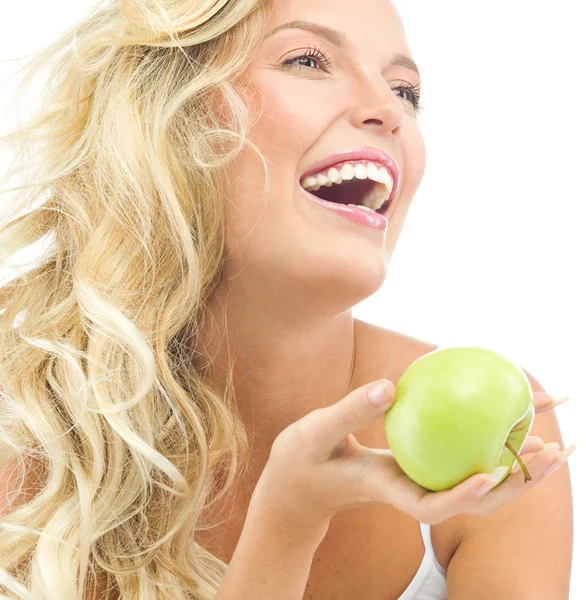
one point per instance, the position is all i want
(551, 445)
(495, 476)
(560, 459)
(559, 400)
(379, 394)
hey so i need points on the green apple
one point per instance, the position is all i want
(459, 411)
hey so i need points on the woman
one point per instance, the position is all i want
(185, 379)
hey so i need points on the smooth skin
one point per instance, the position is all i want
(294, 270)
(317, 468)
(282, 316)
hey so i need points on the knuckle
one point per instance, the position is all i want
(305, 431)
(285, 441)
(279, 445)
(352, 416)
(299, 435)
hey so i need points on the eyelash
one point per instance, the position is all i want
(321, 56)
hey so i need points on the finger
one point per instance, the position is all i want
(435, 507)
(532, 443)
(328, 427)
(388, 483)
(542, 401)
(514, 485)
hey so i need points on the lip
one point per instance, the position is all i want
(360, 153)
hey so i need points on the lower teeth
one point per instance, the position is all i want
(362, 207)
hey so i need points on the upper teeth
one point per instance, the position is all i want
(361, 170)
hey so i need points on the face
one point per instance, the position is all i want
(298, 256)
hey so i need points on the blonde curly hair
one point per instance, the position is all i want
(126, 159)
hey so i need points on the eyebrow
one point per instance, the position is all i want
(339, 39)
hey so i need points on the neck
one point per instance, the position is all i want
(282, 369)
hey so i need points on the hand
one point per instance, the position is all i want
(317, 468)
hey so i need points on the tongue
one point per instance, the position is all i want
(348, 192)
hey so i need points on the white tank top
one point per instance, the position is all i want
(429, 582)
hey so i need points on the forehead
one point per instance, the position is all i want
(365, 22)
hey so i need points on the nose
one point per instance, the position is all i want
(377, 107)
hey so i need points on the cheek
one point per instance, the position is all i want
(282, 132)
(414, 160)
(285, 124)
(291, 119)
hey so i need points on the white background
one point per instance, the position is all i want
(493, 252)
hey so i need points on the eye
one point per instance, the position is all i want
(315, 55)
(414, 92)
(312, 54)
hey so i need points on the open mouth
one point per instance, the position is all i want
(352, 191)
(365, 184)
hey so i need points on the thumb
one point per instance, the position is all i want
(356, 411)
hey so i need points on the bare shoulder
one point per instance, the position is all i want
(392, 351)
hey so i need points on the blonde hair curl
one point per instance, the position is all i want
(126, 158)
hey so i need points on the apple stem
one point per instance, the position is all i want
(521, 463)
